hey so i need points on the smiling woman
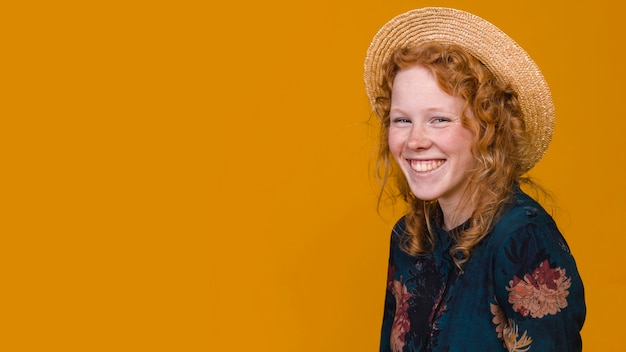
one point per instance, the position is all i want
(475, 264)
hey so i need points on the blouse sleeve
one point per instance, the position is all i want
(390, 303)
(539, 293)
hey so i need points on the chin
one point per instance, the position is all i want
(425, 196)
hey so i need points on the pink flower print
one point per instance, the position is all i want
(401, 323)
(541, 293)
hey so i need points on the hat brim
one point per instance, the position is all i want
(496, 50)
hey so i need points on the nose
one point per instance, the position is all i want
(419, 138)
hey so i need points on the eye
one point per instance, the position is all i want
(440, 119)
(398, 120)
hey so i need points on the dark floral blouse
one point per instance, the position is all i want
(519, 291)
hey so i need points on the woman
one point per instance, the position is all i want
(475, 264)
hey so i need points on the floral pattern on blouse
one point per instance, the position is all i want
(542, 292)
(401, 323)
(520, 290)
(508, 332)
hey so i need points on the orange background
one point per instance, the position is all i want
(194, 176)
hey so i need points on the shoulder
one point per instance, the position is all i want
(526, 235)
(527, 240)
(523, 210)
(525, 217)
(399, 229)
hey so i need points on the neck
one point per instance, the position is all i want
(455, 215)
(450, 223)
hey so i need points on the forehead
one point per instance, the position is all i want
(417, 84)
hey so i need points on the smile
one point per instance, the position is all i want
(425, 165)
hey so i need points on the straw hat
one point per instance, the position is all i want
(502, 56)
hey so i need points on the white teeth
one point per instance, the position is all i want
(423, 166)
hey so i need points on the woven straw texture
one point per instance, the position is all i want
(505, 58)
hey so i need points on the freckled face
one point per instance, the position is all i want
(427, 139)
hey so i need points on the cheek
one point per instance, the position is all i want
(395, 142)
(462, 145)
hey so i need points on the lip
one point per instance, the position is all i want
(425, 165)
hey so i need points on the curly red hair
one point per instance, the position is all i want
(498, 129)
